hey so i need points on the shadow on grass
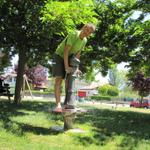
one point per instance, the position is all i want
(107, 124)
(8, 110)
(37, 130)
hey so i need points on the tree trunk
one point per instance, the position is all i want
(141, 101)
(20, 73)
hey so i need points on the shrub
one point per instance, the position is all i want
(108, 90)
(113, 91)
(103, 90)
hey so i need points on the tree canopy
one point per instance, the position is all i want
(33, 29)
(119, 37)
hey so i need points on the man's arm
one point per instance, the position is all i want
(78, 55)
(66, 54)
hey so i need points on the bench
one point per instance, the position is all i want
(5, 90)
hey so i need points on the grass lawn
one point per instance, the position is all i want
(28, 127)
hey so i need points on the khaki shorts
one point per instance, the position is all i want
(58, 68)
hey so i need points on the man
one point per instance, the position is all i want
(71, 45)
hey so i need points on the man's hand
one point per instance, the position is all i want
(78, 72)
(69, 70)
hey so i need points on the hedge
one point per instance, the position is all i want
(98, 97)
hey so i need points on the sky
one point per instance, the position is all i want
(14, 60)
(122, 65)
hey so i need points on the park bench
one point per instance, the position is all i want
(5, 90)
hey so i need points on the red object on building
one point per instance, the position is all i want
(82, 93)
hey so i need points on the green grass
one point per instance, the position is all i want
(28, 127)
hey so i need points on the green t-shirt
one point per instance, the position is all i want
(74, 41)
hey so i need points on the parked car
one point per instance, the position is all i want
(145, 103)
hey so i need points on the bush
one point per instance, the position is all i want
(103, 90)
(98, 97)
(113, 91)
(108, 90)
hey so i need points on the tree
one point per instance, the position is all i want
(4, 60)
(33, 29)
(109, 42)
(22, 32)
(141, 84)
(90, 75)
(139, 57)
(139, 39)
(37, 76)
(119, 37)
(113, 75)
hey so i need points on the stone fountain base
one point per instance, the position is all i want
(69, 117)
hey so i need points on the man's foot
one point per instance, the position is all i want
(57, 110)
